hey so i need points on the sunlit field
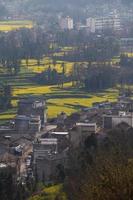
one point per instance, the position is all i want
(51, 192)
(67, 99)
(45, 64)
(6, 26)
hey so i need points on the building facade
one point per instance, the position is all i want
(33, 107)
(103, 23)
(110, 121)
(47, 159)
(31, 115)
(80, 132)
(66, 23)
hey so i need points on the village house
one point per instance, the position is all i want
(31, 117)
(47, 158)
(80, 132)
(110, 121)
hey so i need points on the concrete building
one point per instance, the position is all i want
(110, 121)
(103, 23)
(47, 159)
(45, 146)
(79, 26)
(47, 166)
(30, 118)
(66, 23)
(80, 132)
(91, 24)
(33, 107)
(59, 134)
(24, 124)
(31, 115)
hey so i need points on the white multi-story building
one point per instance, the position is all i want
(91, 24)
(102, 23)
(66, 23)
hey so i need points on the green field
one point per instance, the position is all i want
(6, 26)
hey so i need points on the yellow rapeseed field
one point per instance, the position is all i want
(67, 99)
(68, 103)
(44, 65)
(6, 26)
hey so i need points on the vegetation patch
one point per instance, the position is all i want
(50, 193)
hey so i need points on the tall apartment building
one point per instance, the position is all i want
(66, 23)
(103, 23)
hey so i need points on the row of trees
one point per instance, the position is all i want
(95, 77)
(52, 77)
(22, 44)
(88, 77)
(95, 49)
(99, 76)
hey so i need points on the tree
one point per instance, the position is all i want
(63, 73)
(96, 78)
(5, 96)
(110, 174)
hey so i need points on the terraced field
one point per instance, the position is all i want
(44, 64)
(67, 99)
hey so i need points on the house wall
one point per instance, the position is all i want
(119, 119)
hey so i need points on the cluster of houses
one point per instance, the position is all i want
(16, 139)
(49, 145)
(51, 149)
